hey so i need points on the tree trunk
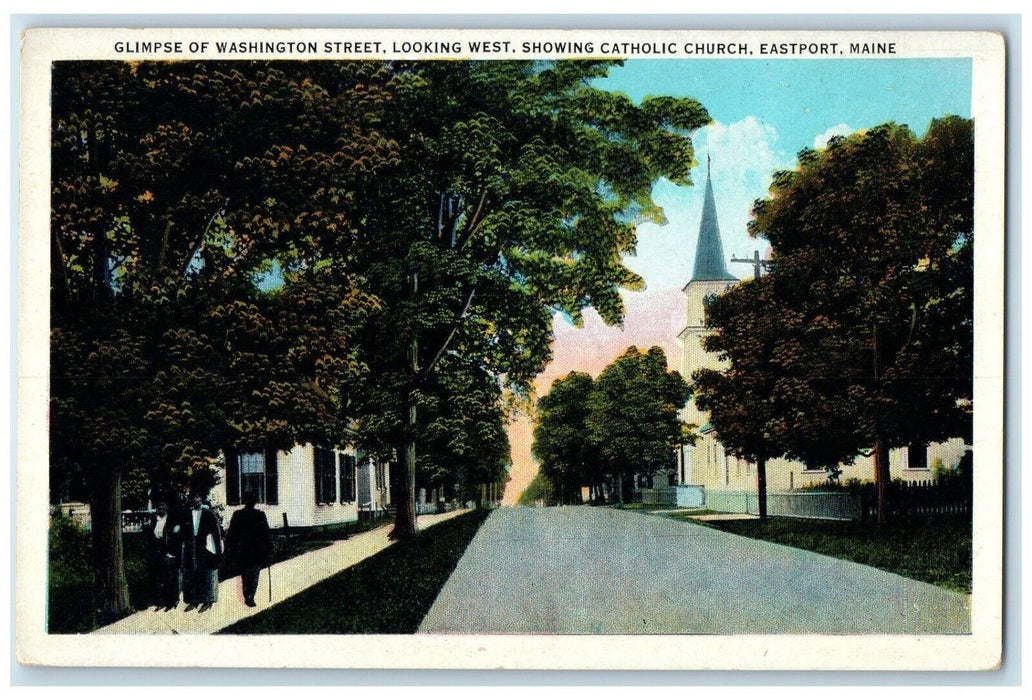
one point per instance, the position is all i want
(111, 590)
(761, 486)
(881, 450)
(881, 478)
(405, 519)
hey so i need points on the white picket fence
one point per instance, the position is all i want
(824, 505)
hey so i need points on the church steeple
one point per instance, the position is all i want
(709, 253)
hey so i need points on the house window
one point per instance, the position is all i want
(347, 478)
(915, 456)
(252, 472)
(807, 467)
(325, 476)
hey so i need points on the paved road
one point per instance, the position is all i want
(581, 570)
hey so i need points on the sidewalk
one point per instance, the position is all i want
(288, 578)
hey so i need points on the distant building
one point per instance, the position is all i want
(707, 463)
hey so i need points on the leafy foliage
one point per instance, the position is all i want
(562, 446)
(539, 489)
(517, 195)
(872, 240)
(176, 189)
(463, 431)
(862, 336)
(238, 249)
(625, 422)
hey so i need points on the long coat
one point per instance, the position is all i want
(249, 540)
(196, 554)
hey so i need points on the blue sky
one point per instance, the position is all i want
(764, 113)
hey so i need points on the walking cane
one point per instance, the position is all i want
(270, 583)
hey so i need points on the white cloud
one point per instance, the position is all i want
(821, 140)
(744, 155)
(744, 148)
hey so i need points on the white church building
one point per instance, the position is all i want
(706, 463)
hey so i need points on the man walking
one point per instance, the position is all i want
(250, 544)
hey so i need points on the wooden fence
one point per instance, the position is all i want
(903, 500)
(661, 496)
(908, 499)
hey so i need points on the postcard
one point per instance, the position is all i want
(475, 349)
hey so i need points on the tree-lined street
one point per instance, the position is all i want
(252, 256)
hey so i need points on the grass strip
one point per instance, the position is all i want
(935, 550)
(388, 593)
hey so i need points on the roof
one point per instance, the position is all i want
(709, 252)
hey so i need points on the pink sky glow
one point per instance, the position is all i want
(652, 318)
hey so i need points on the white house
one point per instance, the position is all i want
(306, 486)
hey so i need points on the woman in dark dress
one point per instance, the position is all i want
(163, 560)
(202, 554)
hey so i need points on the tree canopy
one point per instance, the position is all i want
(518, 195)
(266, 253)
(625, 422)
(863, 331)
(176, 189)
(562, 446)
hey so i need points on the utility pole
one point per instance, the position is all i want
(757, 262)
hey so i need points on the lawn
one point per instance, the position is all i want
(936, 550)
(70, 608)
(388, 593)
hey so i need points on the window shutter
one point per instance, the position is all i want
(317, 454)
(343, 466)
(232, 477)
(330, 476)
(271, 478)
(347, 478)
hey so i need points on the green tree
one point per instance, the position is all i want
(768, 403)
(562, 446)
(539, 489)
(462, 434)
(176, 189)
(634, 415)
(872, 242)
(517, 196)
